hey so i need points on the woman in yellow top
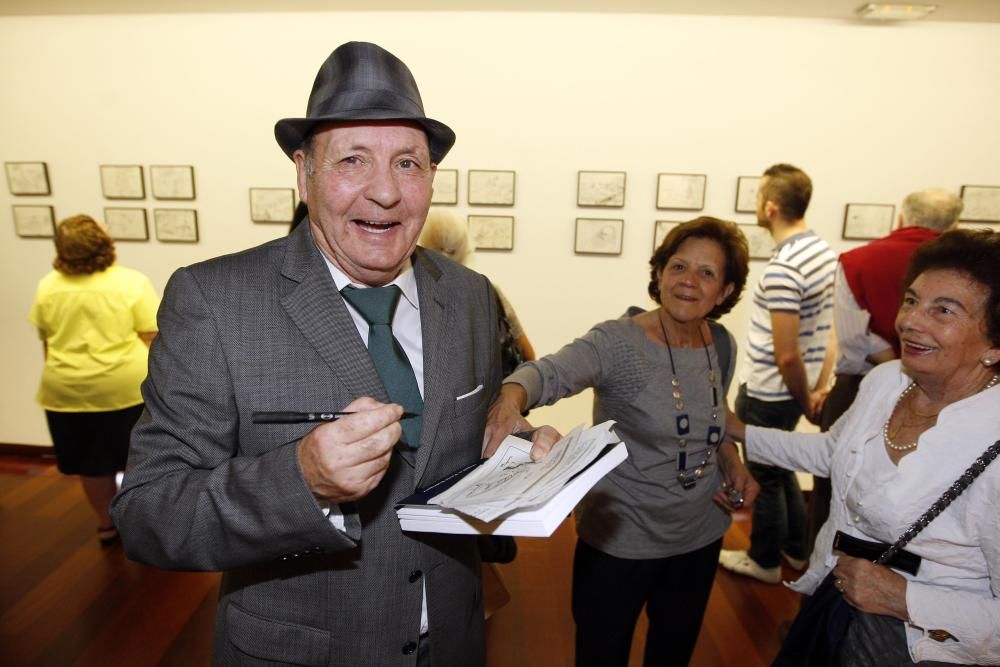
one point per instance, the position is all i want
(96, 320)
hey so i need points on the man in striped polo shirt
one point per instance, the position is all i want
(786, 371)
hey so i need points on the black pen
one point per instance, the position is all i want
(306, 417)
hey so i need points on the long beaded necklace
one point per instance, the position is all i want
(899, 401)
(689, 477)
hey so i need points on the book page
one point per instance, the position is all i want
(510, 480)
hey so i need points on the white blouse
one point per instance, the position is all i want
(958, 582)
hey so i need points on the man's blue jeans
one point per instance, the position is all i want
(779, 516)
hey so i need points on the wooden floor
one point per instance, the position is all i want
(66, 601)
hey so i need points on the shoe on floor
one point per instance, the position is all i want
(107, 535)
(741, 563)
(795, 563)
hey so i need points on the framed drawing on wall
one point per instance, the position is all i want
(27, 178)
(445, 187)
(126, 224)
(681, 191)
(172, 181)
(660, 231)
(760, 241)
(491, 187)
(492, 232)
(34, 221)
(176, 225)
(746, 194)
(598, 236)
(600, 188)
(867, 221)
(272, 204)
(982, 203)
(122, 181)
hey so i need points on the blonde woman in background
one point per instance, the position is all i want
(447, 234)
(96, 321)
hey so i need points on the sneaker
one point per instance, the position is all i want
(795, 563)
(741, 563)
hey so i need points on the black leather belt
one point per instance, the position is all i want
(903, 560)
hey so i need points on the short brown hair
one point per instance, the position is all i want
(789, 188)
(972, 252)
(734, 247)
(82, 247)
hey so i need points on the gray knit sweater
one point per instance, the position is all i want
(640, 510)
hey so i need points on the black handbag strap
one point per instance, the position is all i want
(947, 498)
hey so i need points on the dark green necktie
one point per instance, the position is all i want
(377, 305)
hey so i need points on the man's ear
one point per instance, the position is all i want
(301, 179)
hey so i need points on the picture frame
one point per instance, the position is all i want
(660, 230)
(122, 181)
(491, 187)
(759, 241)
(126, 224)
(172, 181)
(982, 203)
(445, 187)
(598, 236)
(34, 221)
(864, 222)
(176, 225)
(272, 204)
(28, 178)
(491, 232)
(600, 189)
(681, 191)
(746, 194)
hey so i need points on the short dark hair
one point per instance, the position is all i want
(82, 247)
(973, 252)
(734, 248)
(790, 188)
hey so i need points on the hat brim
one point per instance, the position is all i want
(291, 133)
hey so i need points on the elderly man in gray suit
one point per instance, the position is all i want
(300, 516)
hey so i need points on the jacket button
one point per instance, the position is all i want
(409, 648)
(415, 576)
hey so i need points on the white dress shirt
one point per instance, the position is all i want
(855, 341)
(406, 329)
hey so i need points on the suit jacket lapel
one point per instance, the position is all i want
(435, 314)
(318, 310)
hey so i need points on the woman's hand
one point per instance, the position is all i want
(871, 588)
(504, 418)
(739, 488)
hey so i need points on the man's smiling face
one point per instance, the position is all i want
(368, 187)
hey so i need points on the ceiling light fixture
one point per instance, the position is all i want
(878, 11)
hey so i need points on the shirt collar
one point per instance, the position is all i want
(406, 280)
(795, 237)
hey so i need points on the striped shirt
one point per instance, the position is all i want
(798, 279)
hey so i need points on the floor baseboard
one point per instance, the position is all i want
(32, 451)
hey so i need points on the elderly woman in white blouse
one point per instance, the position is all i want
(915, 427)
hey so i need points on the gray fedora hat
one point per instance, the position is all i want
(363, 81)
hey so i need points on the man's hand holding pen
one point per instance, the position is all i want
(344, 459)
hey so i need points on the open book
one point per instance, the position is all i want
(508, 494)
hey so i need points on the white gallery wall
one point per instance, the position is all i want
(871, 112)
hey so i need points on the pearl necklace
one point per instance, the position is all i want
(913, 445)
(689, 477)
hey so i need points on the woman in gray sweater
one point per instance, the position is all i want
(649, 532)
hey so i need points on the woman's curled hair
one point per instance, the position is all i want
(82, 247)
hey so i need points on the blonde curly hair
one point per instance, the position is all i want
(446, 233)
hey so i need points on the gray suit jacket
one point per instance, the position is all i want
(206, 489)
